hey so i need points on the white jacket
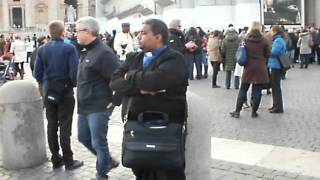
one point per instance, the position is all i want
(122, 39)
(19, 49)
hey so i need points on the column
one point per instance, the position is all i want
(29, 13)
(53, 10)
(5, 15)
(99, 9)
(83, 8)
(317, 13)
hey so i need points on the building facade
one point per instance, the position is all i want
(209, 14)
(36, 14)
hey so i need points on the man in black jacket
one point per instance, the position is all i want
(153, 80)
(176, 37)
(95, 98)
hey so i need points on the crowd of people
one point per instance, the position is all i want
(147, 71)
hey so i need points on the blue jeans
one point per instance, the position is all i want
(198, 62)
(205, 58)
(92, 133)
(189, 61)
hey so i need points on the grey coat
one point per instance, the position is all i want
(305, 43)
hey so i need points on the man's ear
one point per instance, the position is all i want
(159, 37)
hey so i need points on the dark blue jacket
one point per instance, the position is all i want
(61, 62)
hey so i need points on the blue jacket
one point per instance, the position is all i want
(278, 49)
(62, 62)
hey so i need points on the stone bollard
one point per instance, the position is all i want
(22, 126)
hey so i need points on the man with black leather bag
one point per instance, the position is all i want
(56, 71)
(153, 84)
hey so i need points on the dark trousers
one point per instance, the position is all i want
(198, 62)
(276, 89)
(60, 117)
(189, 61)
(318, 53)
(236, 82)
(216, 68)
(315, 54)
(228, 80)
(19, 69)
(304, 58)
(255, 94)
(143, 174)
(28, 56)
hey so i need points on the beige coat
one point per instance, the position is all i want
(213, 48)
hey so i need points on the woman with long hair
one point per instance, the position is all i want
(255, 72)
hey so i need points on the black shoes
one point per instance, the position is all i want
(275, 111)
(102, 177)
(235, 114)
(254, 115)
(57, 165)
(113, 164)
(74, 165)
(57, 161)
(215, 86)
(269, 109)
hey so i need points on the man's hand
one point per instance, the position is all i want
(40, 88)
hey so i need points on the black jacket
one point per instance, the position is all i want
(167, 72)
(177, 41)
(97, 63)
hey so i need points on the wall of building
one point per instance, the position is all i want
(38, 13)
(210, 14)
(205, 13)
(312, 12)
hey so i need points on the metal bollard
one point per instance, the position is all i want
(22, 126)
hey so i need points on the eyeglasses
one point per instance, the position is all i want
(77, 31)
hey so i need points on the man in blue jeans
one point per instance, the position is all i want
(95, 98)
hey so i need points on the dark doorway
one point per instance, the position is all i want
(17, 17)
(74, 3)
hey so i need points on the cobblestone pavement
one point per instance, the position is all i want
(196, 168)
(297, 128)
(209, 111)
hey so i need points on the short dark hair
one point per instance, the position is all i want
(216, 33)
(278, 30)
(158, 27)
(56, 29)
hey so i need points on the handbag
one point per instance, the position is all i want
(285, 62)
(241, 55)
(57, 91)
(153, 142)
